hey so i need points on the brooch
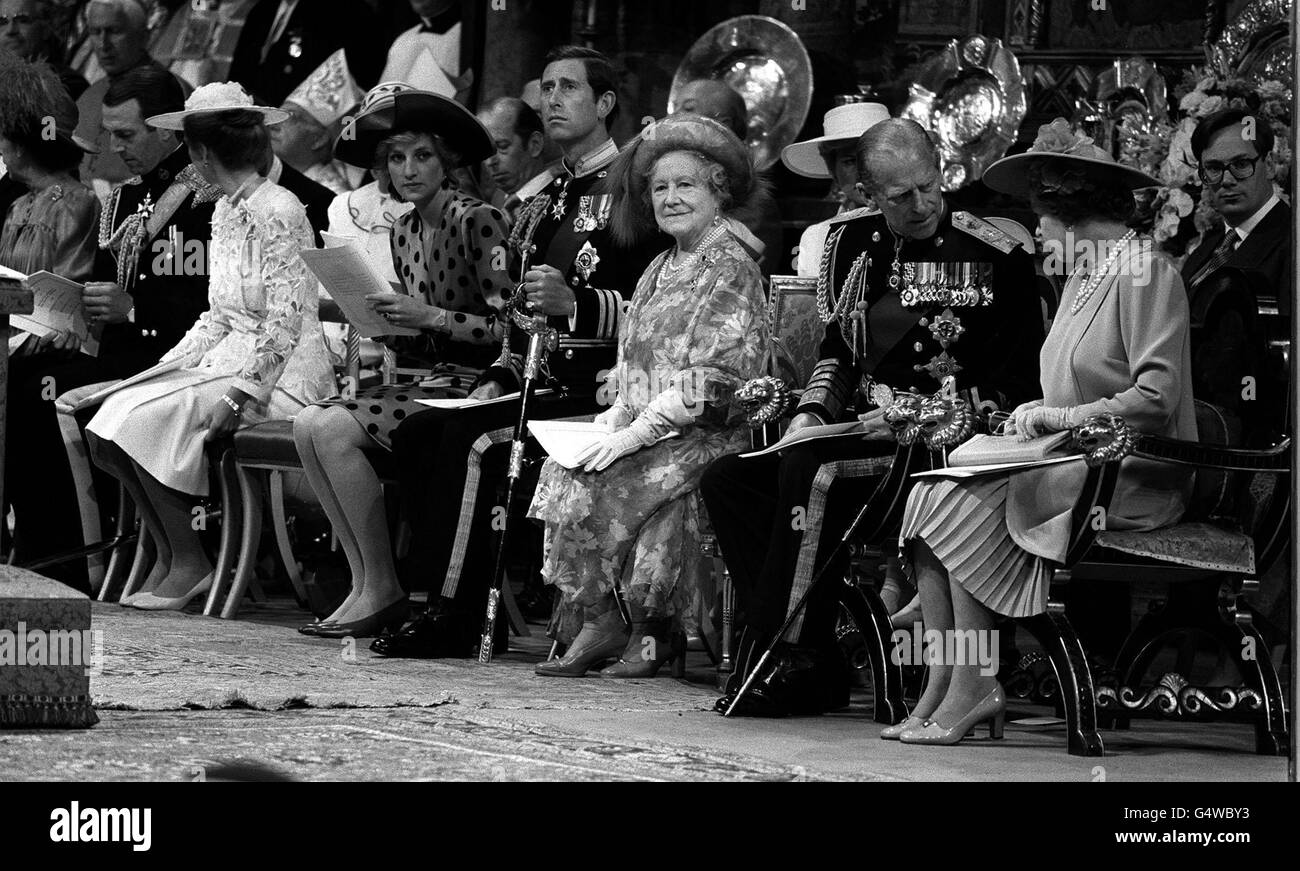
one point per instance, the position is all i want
(586, 261)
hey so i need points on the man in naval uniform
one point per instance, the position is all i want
(581, 279)
(151, 285)
(910, 296)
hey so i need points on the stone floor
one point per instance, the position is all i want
(181, 696)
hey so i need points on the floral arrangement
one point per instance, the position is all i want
(1175, 214)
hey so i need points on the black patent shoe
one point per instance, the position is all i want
(795, 681)
(438, 634)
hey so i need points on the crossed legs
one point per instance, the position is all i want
(331, 447)
(167, 514)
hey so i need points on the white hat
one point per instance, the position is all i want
(329, 92)
(841, 124)
(215, 97)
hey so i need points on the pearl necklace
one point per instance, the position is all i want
(1089, 287)
(668, 273)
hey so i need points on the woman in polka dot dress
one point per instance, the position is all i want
(449, 253)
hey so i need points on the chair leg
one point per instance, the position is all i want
(1078, 696)
(1235, 631)
(117, 559)
(517, 622)
(250, 496)
(231, 511)
(728, 595)
(282, 538)
(868, 612)
(145, 554)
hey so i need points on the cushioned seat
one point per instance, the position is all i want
(271, 443)
(1199, 545)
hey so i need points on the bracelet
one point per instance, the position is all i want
(234, 406)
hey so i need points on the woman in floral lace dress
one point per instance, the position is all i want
(256, 354)
(696, 330)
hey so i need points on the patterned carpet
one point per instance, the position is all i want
(165, 661)
(181, 695)
(400, 744)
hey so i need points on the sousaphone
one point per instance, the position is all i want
(766, 63)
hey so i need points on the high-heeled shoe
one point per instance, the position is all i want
(390, 617)
(600, 639)
(892, 733)
(154, 602)
(992, 709)
(641, 659)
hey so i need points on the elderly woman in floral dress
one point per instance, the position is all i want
(627, 523)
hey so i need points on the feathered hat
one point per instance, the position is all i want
(34, 103)
(632, 217)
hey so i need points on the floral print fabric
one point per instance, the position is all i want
(637, 523)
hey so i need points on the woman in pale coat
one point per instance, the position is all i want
(1120, 345)
(257, 353)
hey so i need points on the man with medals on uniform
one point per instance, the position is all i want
(912, 296)
(151, 286)
(580, 278)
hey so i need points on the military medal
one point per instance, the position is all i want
(586, 261)
(557, 211)
(590, 218)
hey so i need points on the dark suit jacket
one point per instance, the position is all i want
(1267, 250)
(313, 34)
(315, 197)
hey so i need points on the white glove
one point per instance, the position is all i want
(615, 417)
(618, 444)
(1030, 421)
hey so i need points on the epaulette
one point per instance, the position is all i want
(984, 231)
(860, 212)
(204, 191)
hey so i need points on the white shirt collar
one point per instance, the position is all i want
(1245, 227)
(277, 167)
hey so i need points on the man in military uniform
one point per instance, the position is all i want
(910, 296)
(580, 278)
(151, 286)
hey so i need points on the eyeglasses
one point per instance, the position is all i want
(1241, 168)
(21, 19)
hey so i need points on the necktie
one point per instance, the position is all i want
(1231, 240)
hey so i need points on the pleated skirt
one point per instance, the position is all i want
(965, 524)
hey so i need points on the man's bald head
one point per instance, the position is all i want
(715, 99)
(516, 132)
(890, 142)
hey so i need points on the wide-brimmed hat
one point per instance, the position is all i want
(680, 132)
(215, 97)
(398, 108)
(842, 124)
(1058, 145)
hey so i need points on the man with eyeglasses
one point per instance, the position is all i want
(1241, 268)
(911, 295)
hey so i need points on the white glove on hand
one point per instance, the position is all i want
(615, 418)
(625, 441)
(1030, 421)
